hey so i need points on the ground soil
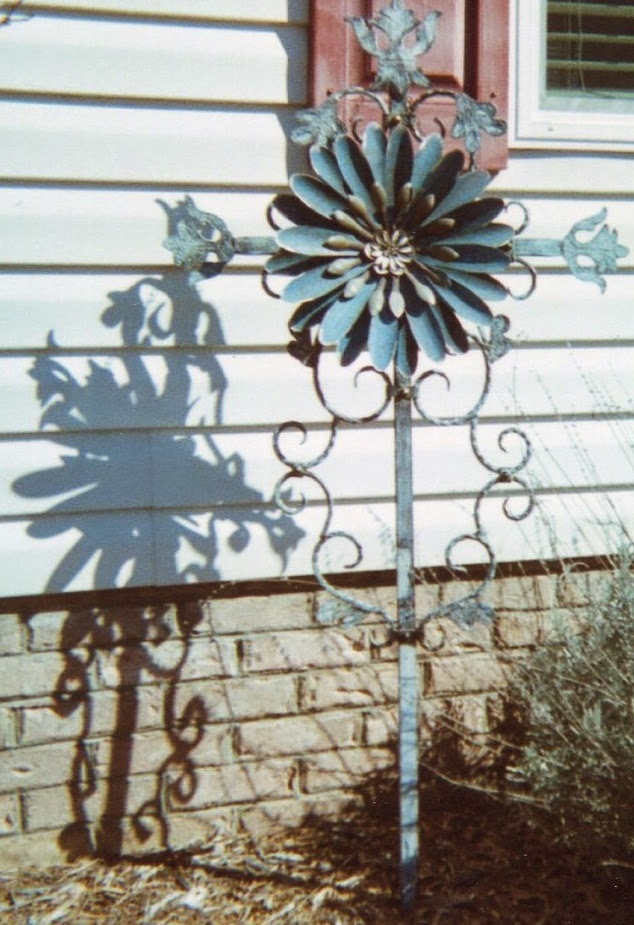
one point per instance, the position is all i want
(483, 862)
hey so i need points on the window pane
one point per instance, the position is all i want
(590, 47)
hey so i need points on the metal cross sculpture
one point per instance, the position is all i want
(391, 249)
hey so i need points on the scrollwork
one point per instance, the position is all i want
(299, 428)
(321, 124)
(301, 469)
(471, 608)
(527, 494)
(355, 609)
(472, 119)
(504, 471)
(525, 219)
(356, 419)
(532, 282)
(452, 420)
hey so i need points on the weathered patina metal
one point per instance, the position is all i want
(390, 252)
(397, 39)
(201, 243)
(586, 259)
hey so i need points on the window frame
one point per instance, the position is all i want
(572, 123)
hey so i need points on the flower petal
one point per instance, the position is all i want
(317, 282)
(427, 157)
(382, 338)
(472, 258)
(452, 331)
(406, 352)
(443, 177)
(350, 224)
(379, 198)
(377, 299)
(355, 170)
(399, 158)
(355, 282)
(395, 299)
(317, 195)
(290, 264)
(310, 241)
(341, 265)
(466, 304)
(295, 211)
(309, 313)
(475, 215)
(355, 341)
(343, 314)
(427, 333)
(418, 210)
(494, 235)
(485, 286)
(423, 324)
(420, 283)
(325, 166)
(374, 145)
(466, 188)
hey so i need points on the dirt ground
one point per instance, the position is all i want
(483, 863)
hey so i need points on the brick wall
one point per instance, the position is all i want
(133, 729)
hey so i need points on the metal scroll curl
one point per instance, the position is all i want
(352, 609)
(511, 440)
(471, 608)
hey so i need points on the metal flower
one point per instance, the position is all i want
(390, 249)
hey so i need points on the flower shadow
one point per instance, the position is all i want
(143, 481)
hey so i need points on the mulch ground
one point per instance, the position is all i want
(484, 862)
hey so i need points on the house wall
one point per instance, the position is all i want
(136, 422)
(137, 414)
(137, 728)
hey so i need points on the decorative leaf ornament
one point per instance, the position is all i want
(319, 125)
(396, 59)
(389, 250)
(473, 118)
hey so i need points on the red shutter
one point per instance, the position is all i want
(470, 54)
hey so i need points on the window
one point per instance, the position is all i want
(470, 53)
(574, 74)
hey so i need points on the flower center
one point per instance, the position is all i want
(389, 252)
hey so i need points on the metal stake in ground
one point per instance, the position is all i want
(390, 246)
(407, 661)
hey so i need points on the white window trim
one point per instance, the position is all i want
(533, 125)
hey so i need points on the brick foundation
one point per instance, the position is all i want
(139, 728)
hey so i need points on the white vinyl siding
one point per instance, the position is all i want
(211, 11)
(173, 484)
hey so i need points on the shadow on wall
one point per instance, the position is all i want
(180, 728)
(99, 786)
(164, 474)
(137, 437)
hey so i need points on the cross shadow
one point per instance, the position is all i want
(134, 645)
(143, 483)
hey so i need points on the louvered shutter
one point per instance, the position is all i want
(590, 48)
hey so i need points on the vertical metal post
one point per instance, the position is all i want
(408, 667)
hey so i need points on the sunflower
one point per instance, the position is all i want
(390, 250)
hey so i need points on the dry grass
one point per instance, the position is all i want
(483, 863)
